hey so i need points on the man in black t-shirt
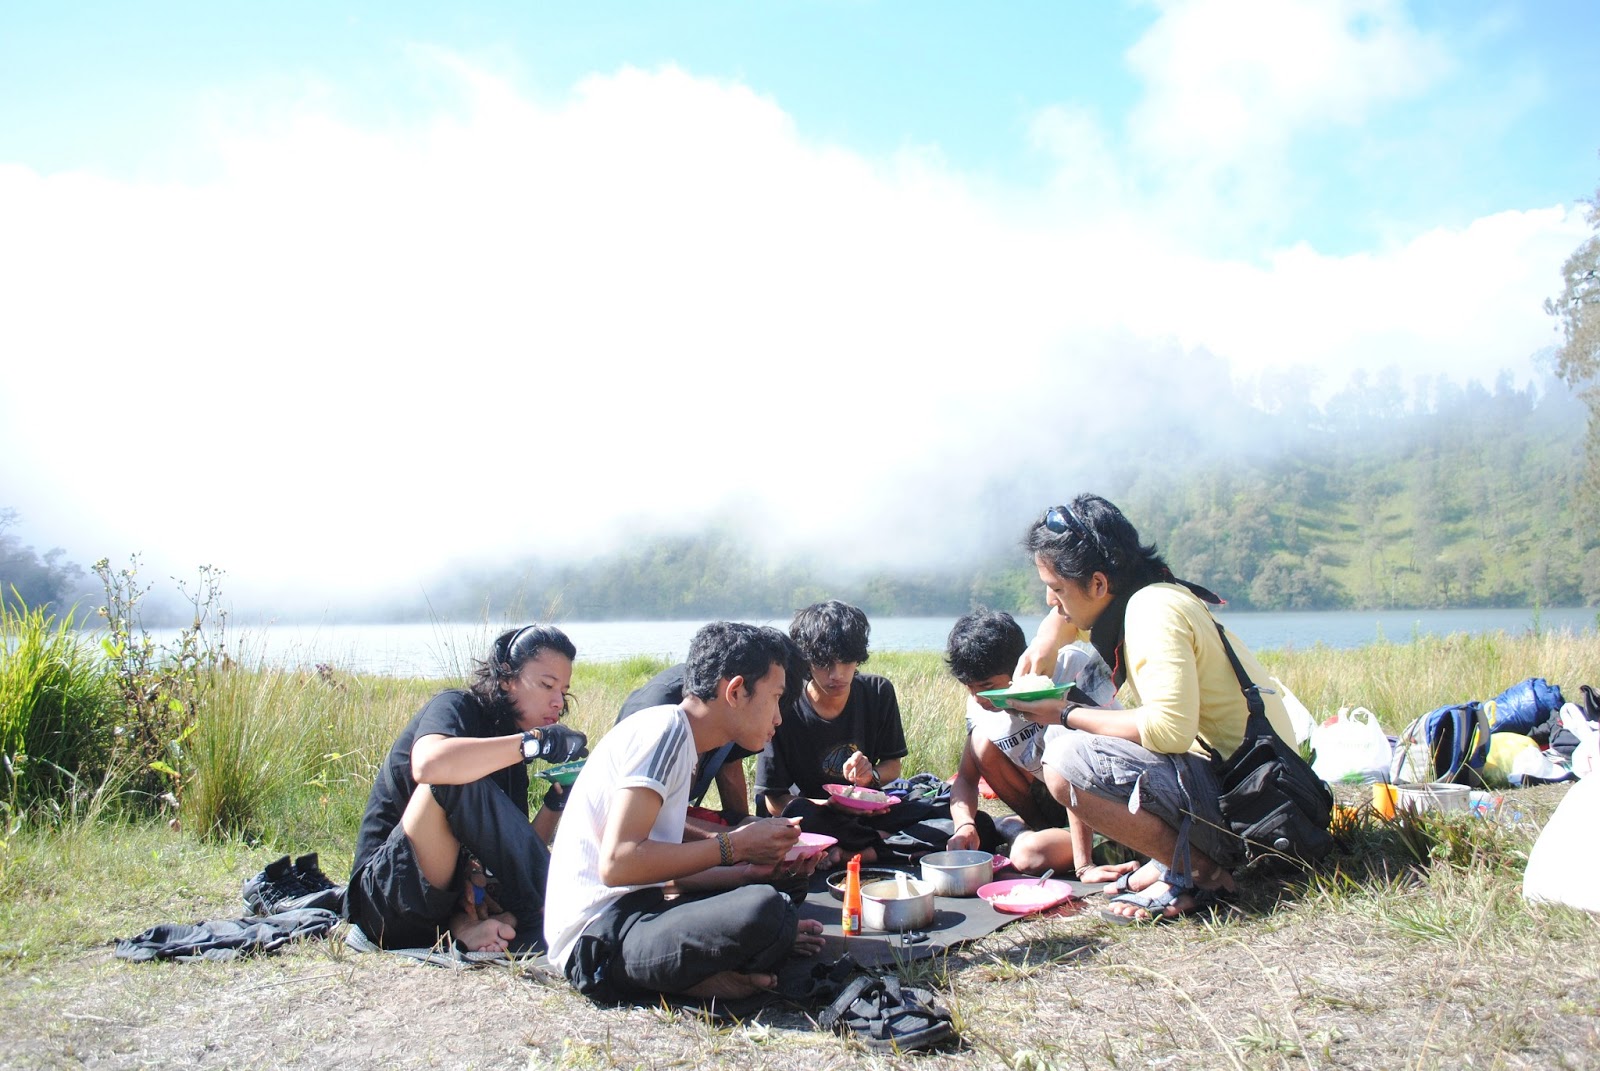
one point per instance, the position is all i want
(811, 749)
(454, 788)
(844, 729)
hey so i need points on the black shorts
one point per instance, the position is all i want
(1051, 812)
(393, 903)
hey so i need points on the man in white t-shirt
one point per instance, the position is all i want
(1007, 750)
(609, 921)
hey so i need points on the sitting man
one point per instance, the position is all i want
(846, 725)
(452, 797)
(1007, 749)
(1141, 775)
(610, 924)
(725, 765)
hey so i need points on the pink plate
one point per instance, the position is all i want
(1026, 895)
(838, 796)
(810, 844)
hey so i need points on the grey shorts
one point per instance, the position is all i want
(1110, 767)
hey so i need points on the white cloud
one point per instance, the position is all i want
(357, 353)
(1228, 79)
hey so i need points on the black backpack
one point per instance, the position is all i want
(1269, 796)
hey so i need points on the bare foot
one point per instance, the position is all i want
(1184, 903)
(731, 985)
(487, 935)
(808, 938)
(1219, 882)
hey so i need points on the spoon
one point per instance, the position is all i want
(1045, 876)
(904, 884)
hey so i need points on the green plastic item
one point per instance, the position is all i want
(564, 774)
(1001, 696)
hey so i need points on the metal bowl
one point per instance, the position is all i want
(868, 875)
(883, 908)
(957, 873)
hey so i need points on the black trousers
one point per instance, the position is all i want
(644, 944)
(396, 906)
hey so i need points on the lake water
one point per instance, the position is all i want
(446, 650)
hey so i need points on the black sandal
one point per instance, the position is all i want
(889, 1016)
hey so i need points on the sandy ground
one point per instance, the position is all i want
(1271, 990)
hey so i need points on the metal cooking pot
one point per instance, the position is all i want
(883, 908)
(958, 873)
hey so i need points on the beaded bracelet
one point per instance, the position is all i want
(725, 849)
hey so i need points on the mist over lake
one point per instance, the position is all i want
(445, 650)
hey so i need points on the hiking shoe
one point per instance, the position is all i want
(288, 886)
(309, 874)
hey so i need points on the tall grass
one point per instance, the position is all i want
(288, 756)
(55, 712)
(1399, 681)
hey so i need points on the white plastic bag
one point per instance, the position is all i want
(1299, 716)
(1351, 745)
(1586, 756)
(1563, 866)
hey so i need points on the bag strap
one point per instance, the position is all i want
(1252, 697)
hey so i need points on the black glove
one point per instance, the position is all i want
(558, 744)
(555, 799)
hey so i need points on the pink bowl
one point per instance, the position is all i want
(810, 844)
(1026, 895)
(838, 795)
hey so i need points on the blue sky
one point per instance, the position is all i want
(363, 218)
(1499, 123)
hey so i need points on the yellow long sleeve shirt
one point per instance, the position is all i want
(1179, 679)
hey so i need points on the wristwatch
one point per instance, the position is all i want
(530, 745)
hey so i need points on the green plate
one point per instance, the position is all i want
(564, 774)
(1001, 696)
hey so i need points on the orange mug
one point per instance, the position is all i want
(1383, 799)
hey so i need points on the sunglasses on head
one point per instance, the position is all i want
(1061, 519)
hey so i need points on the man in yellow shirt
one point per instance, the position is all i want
(1141, 775)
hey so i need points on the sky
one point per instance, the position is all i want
(335, 296)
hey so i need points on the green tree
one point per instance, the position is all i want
(1578, 359)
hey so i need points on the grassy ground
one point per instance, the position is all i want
(1411, 948)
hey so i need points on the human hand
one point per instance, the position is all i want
(1039, 711)
(1054, 633)
(785, 871)
(766, 841)
(558, 744)
(964, 839)
(858, 770)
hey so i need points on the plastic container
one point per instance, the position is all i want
(1434, 796)
(1383, 799)
(850, 914)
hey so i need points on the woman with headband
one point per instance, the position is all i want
(1140, 775)
(452, 798)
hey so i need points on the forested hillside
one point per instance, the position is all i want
(1443, 496)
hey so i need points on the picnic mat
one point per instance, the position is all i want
(956, 919)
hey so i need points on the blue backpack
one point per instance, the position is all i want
(1522, 707)
(1457, 742)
